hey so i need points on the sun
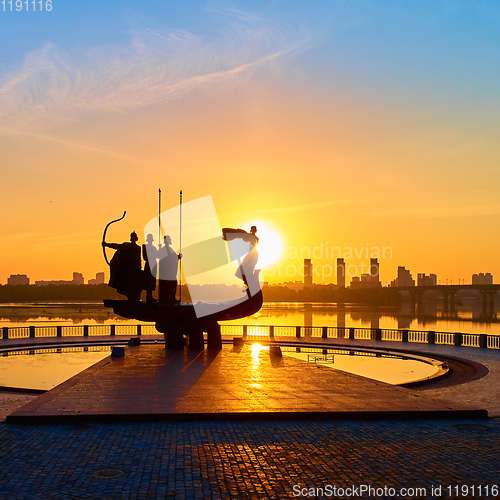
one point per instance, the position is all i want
(270, 243)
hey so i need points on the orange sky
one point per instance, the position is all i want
(323, 157)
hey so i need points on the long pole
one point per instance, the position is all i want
(159, 218)
(180, 245)
(159, 244)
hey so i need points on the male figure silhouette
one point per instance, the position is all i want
(168, 265)
(125, 267)
(150, 255)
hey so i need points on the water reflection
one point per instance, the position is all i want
(43, 369)
(391, 370)
(468, 316)
(58, 313)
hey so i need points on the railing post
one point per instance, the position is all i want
(431, 337)
(271, 332)
(378, 334)
(5, 333)
(59, 331)
(112, 330)
(404, 335)
(245, 332)
(458, 339)
(351, 333)
(324, 334)
(139, 330)
(297, 332)
(32, 332)
(483, 341)
(85, 330)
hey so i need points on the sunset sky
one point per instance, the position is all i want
(342, 123)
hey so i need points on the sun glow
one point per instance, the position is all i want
(270, 243)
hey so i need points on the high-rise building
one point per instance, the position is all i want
(404, 278)
(99, 279)
(423, 280)
(308, 272)
(374, 271)
(18, 279)
(341, 273)
(78, 279)
(482, 279)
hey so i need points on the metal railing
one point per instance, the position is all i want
(479, 340)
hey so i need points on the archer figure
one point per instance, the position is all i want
(125, 267)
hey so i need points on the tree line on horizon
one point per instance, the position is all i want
(272, 293)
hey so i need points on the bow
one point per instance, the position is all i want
(104, 236)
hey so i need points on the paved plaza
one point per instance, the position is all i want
(266, 459)
(236, 382)
(244, 460)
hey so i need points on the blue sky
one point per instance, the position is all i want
(436, 53)
(393, 100)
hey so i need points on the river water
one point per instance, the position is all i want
(467, 318)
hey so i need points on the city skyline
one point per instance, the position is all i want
(346, 123)
(341, 279)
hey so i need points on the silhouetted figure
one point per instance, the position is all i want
(168, 265)
(125, 267)
(150, 255)
(246, 271)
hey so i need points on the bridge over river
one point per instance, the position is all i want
(449, 292)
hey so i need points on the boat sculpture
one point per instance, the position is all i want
(183, 323)
(179, 321)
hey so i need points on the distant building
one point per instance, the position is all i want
(99, 279)
(423, 280)
(77, 280)
(341, 273)
(404, 278)
(308, 272)
(18, 279)
(368, 280)
(482, 279)
(374, 271)
(294, 285)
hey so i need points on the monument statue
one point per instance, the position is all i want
(180, 322)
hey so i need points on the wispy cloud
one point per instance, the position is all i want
(54, 86)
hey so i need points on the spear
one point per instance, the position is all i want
(180, 245)
(159, 217)
(159, 243)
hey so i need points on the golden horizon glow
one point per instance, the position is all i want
(270, 245)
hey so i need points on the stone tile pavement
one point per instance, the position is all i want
(262, 460)
(247, 460)
(150, 381)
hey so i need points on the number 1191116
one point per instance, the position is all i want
(26, 5)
